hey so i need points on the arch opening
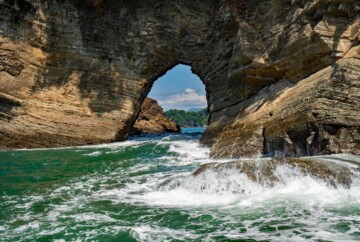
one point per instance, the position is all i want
(178, 96)
(179, 88)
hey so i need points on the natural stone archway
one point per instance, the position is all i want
(282, 77)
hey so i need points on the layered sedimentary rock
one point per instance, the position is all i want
(152, 120)
(282, 77)
(295, 72)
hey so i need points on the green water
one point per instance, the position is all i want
(143, 190)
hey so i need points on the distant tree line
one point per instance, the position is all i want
(188, 119)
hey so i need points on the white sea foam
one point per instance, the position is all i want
(188, 149)
(128, 143)
(228, 187)
(183, 197)
(95, 153)
(52, 232)
(165, 184)
(33, 225)
(156, 233)
(92, 217)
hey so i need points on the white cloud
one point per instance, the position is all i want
(188, 99)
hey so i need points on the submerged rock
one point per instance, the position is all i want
(153, 121)
(269, 172)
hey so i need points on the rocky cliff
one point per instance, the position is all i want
(152, 120)
(282, 77)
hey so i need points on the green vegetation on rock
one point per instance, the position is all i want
(188, 119)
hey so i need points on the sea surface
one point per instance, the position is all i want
(143, 190)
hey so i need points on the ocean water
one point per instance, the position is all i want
(143, 190)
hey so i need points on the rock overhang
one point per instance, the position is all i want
(86, 67)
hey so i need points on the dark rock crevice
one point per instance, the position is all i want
(7, 105)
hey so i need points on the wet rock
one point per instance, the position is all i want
(153, 121)
(268, 172)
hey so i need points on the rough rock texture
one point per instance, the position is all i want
(282, 77)
(152, 120)
(271, 172)
(297, 84)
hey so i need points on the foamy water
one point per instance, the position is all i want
(144, 190)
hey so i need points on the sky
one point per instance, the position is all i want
(179, 88)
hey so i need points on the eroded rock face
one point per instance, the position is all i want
(152, 120)
(282, 77)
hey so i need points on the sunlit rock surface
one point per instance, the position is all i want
(152, 120)
(282, 77)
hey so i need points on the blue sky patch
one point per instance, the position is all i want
(179, 88)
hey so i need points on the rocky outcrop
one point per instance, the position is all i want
(315, 116)
(271, 172)
(282, 77)
(152, 120)
(296, 86)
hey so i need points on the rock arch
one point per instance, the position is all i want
(76, 72)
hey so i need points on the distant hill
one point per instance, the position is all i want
(194, 109)
(188, 118)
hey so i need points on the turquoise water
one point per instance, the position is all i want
(143, 190)
(192, 130)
